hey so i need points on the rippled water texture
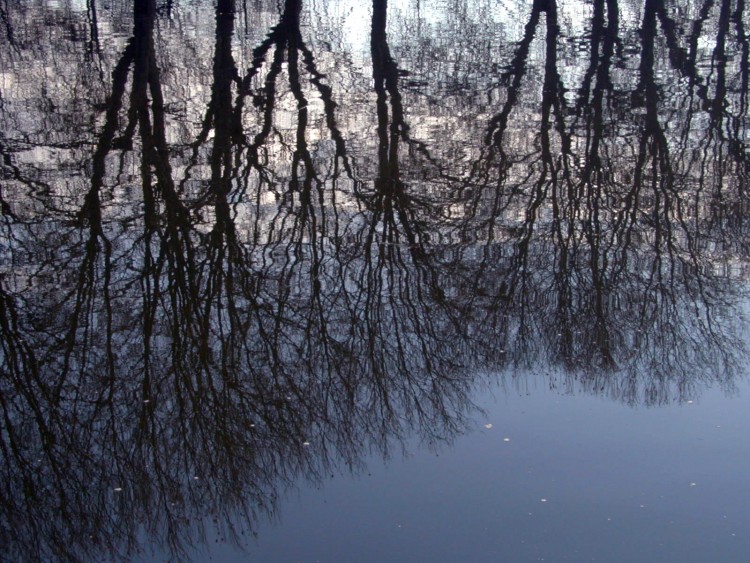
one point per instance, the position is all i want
(456, 280)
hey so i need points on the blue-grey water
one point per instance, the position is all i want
(374, 281)
(581, 479)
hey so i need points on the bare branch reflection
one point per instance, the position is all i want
(240, 255)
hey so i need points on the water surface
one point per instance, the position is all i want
(405, 281)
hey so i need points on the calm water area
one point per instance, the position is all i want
(415, 280)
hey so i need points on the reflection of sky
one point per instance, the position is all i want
(620, 484)
(350, 20)
(432, 14)
(443, 24)
(355, 17)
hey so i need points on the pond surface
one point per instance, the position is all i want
(407, 281)
(579, 479)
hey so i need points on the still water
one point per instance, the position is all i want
(457, 280)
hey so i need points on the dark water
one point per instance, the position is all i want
(418, 281)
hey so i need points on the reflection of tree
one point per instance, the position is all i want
(197, 312)
(189, 371)
(568, 233)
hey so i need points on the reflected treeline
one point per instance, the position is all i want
(224, 270)
(598, 238)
